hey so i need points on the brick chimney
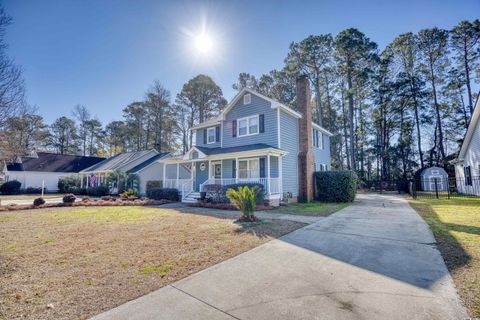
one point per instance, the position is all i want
(305, 155)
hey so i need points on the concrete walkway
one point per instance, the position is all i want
(373, 260)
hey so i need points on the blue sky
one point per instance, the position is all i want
(104, 54)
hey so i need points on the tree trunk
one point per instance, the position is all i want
(467, 75)
(437, 111)
(351, 115)
(345, 135)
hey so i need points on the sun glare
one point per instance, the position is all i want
(203, 43)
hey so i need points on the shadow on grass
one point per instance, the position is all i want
(452, 251)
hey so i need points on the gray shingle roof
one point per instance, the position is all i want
(147, 162)
(52, 162)
(118, 161)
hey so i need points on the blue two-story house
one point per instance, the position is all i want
(254, 139)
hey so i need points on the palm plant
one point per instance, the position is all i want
(244, 200)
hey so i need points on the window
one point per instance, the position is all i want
(468, 176)
(248, 126)
(248, 168)
(247, 99)
(210, 135)
(321, 140)
(435, 172)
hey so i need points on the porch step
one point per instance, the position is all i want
(191, 197)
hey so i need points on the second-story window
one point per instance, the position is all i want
(248, 126)
(211, 135)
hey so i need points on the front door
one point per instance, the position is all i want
(216, 172)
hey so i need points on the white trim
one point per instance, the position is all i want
(286, 109)
(212, 164)
(316, 126)
(206, 124)
(247, 119)
(214, 135)
(186, 156)
(470, 131)
(268, 171)
(231, 155)
(278, 128)
(221, 134)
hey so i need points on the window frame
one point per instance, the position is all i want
(247, 119)
(248, 167)
(214, 135)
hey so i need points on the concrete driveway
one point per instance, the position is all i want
(376, 259)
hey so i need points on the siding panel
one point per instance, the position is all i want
(289, 142)
(258, 106)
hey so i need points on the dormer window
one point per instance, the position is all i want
(247, 99)
(211, 135)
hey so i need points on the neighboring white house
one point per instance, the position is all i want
(467, 164)
(47, 168)
(143, 163)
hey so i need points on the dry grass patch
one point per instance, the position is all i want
(313, 208)
(456, 226)
(73, 263)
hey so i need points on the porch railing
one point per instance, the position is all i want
(175, 183)
(274, 183)
(186, 187)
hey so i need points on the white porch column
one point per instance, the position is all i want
(164, 173)
(209, 173)
(280, 176)
(236, 170)
(268, 173)
(178, 173)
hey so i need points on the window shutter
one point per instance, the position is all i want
(323, 141)
(217, 134)
(262, 167)
(234, 128)
(234, 168)
(261, 120)
(204, 136)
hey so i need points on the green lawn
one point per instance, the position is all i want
(314, 208)
(30, 196)
(456, 226)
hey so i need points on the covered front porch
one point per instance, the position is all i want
(192, 172)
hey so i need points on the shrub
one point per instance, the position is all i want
(163, 194)
(108, 198)
(99, 191)
(78, 191)
(215, 193)
(66, 184)
(244, 200)
(10, 187)
(336, 186)
(38, 202)
(69, 198)
(31, 190)
(153, 184)
(257, 187)
(129, 193)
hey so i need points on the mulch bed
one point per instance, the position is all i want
(88, 203)
(225, 206)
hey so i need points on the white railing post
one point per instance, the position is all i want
(280, 176)
(268, 175)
